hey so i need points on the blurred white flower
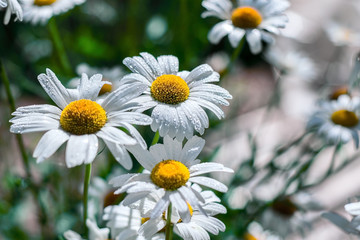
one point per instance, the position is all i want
(256, 232)
(40, 11)
(250, 18)
(12, 7)
(342, 35)
(95, 233)
(337, 120)
(112, 75)
(286, 215)
(101, 10)
(292, 63)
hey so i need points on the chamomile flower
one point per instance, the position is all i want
(292, 63)
(40, 11)
(287, 215)
(12, 7)
(125, 222)
(337, 120)
(95, 233)
(112, 75)
(178, 98)
(198, 226)
(250, 18)
(170, 168)
(80, 120)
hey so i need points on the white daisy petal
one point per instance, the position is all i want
(169, 64)
(120, 154)
(152, 63)
(161, 206)
(219, 31)
(143, 157)
(253, 38)
(49, 143)
(235, 36)
(53, 87)
(36, 123)
(181, 206)
(81, 149)
(192, 149)
(203, 168)
(115, 135)
(209, 182)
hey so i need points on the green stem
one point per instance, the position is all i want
(12, 107)
(85, 196)
(168, 227)
(59, 47)
(156, 138)
(234, 56)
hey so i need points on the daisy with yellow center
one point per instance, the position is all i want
(178, 98)
(337, 120)
(81, 120)
(170, 168)
(250, 18)
(40, 11)
(111, 75)
(197, 227)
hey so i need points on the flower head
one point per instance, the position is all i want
(81, 120)
(178, 98)
(40, 11)
(170, 168)
(199, 224)
(250, 18)
(12, 7)
(337, 120)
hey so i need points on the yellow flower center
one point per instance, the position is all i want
(43, 2)
(338, 92)
(248, 236)
(83, 117)
(284, 207)
(105, 89)
(170, 174)
(170, 89)
(345, 118)
(246, 17)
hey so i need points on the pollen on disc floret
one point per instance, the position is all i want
(83, 117)
(246, 17)
(345, 118)
(170, 89)
(170, 174)
(43, 2)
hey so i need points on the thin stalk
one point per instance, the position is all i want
(59, 47)
(156, 138)
(168, 227)
(12, 107)
(85, 196)
(234, 56)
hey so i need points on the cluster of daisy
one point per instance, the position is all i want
(167, 189)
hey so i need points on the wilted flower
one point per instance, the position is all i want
(250, 18)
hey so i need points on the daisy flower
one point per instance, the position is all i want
(337, 121)
(292, 63)
(95, 233)
(125, 222)
(198, 226)
(286, 215)
(112, 75)
(256, 232)
(40, 11)
(342, 35)
(170, 168)
(250, 18)
(12, 7)
(178, 98)
(80, 120)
